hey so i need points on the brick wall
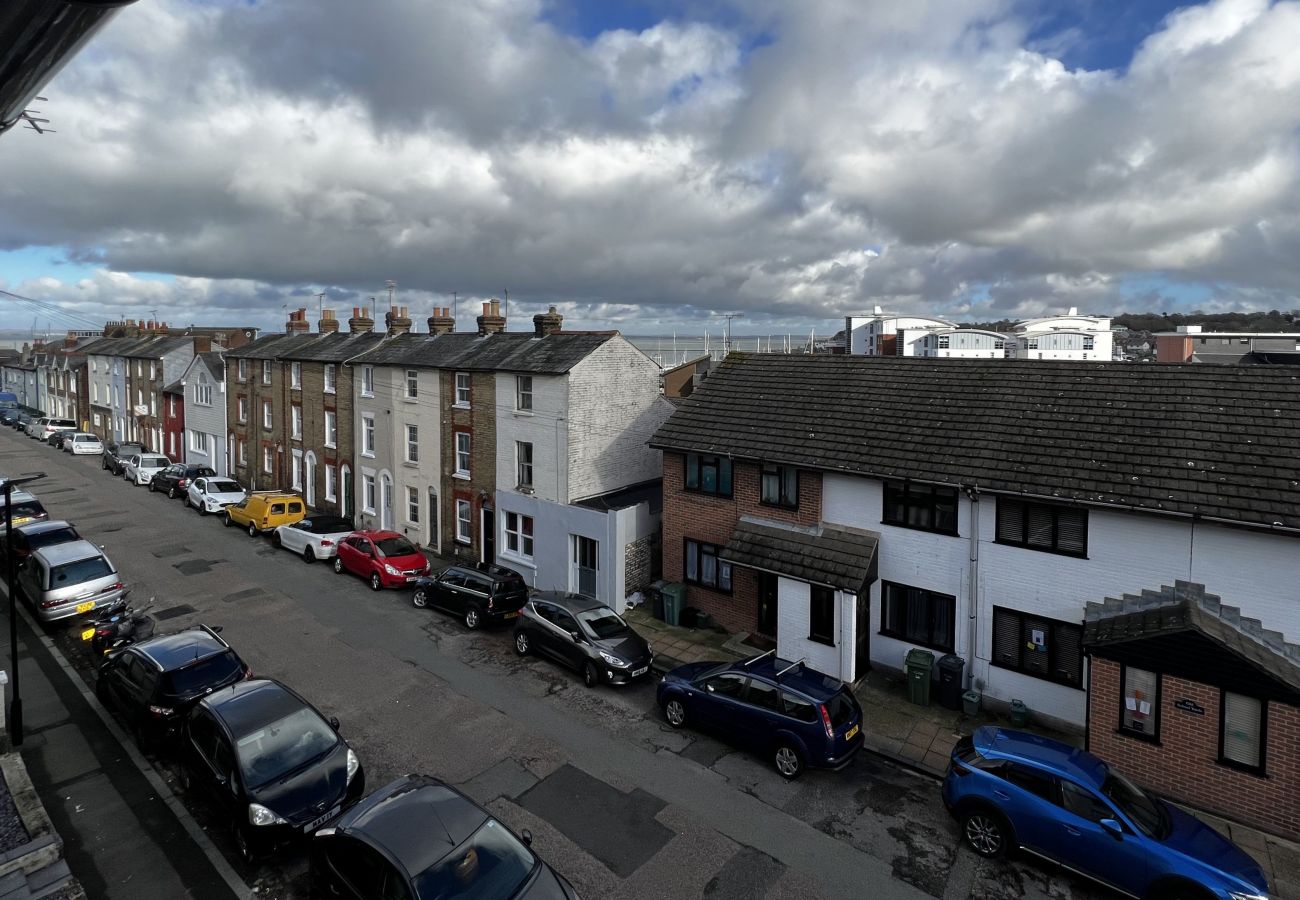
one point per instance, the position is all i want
(712, 519)
(1184, 764)
(638, 563)
(252, 432)
(479, 420)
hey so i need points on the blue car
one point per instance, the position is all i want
(1015, 790)
(795, 716)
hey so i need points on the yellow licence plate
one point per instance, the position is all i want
(87, 634)
(86, 607)
(848, 735)
(22, 520)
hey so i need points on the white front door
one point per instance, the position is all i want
(386, 503)
(585, 565)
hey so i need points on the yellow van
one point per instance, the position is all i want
(263, 511)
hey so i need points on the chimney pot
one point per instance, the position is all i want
(550, 322)
(491, 322)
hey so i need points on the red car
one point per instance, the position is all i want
(384, 558)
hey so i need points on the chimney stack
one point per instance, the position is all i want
(360, 323)
(491, 321)
(70, 341)
(441, 321)
(549, 322)
(397, 321)
(202, 343)
(328, 324)
(297, 323)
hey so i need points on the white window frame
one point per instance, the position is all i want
(295, 470)
(412, 442)
(523, 393)
(369, 491)
(330, 378)
(519, 539)
(367, 381)
(268, 460)
(266, 371)
(295, 376)
(241, 370)
(331, 428)
(368, 434)
(329, 484)
(241, 452)
(268, 419)
(412, 384)
(523, 467)
(198, 441)
(241, 408)
(412, 505)
(464, 522)
(464, 448)
(463, 390)
(295, 422)
(202, 392)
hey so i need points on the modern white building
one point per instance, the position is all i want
(1070, 336)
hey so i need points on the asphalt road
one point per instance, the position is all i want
(618, 801)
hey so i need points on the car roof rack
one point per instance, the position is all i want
(796, 664)
(755, 659)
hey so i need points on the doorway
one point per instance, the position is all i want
(489, 535)
(433, 541)
(768, 585)
(386, 503)
(862, 634)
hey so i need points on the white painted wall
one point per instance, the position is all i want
(792, 628)
(545, 427)
(208, 420)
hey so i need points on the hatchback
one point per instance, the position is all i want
(316, 537)
(794, 715)
(72, 579)
(383, 558)
(154, 683)
(176, 478)
(82, 443)
(33, 536)
(26, 508)
(477, 593)
(1011, 789)
(420, 839)
(59, 436)
(140, 468)
(116, 455)
(41, 428)
(272, 764)
(585, 635)
(213, 494)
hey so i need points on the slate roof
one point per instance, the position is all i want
(150, 347)
(1187, 607)
(1217, 441)
(843, 558)
(335, 347)
(215, 360)
(508, 351)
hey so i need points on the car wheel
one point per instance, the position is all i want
(675, 712)
(252, 530)
(522, 647)
(225, 520)
(275, 539)
(184, 779)
(103, 464)
(307, 556)
(338, 565)
(241, 845)
(376, 583)
(473, 619)
(152, 488)
(171, 492)
(788, 761)
(419, 599)
(200, 509)
(985, 832)
(590, 674)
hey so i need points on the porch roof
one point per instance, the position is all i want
(839, 557)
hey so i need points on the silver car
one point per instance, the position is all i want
(67, 580)
(140, 468)
(212, 493)
(82, 443)
(313, 538)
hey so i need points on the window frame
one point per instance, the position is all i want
(467, 452)
(523, 466)
(1260, 770)
(241, 370)
(295, 422)
(268, 461)
(700, 551)
(412, 386)
(367, 381)
(467, 390)
(779, 471)
(412, 504)
(331, 425)
(930, 596)
(928, 504)
(330, 379)
(1020, 668)
(369, 492)
(1152, 736)
(368, 434)
(523, 397)
(412, 443)
(1025, 507)
(331, 495)
(519, 542)
(268, 415)
(241, 408)
(819, 594)
(295, 376)
(708, 460)
(468, 521)
(266, 371)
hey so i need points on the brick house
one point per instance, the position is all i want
(1198, 702)
(173, 416)
(854, 508)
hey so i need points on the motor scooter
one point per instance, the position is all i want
(118, 627)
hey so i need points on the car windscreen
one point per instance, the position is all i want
(53, 536)
(395, 546)
(24, 509)
(153, 462)
(602, 622)
(490, 863)
(224, 487)
(282, 746)
(209, 672)
(1141, 808)
(79, 572)
(329, 525)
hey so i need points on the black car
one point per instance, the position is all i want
(116, 455)
(420, 839)
(56, 438)
(176, 478)
(585, 635)
(154, 683)
(477, 593)
(32, 536)
(270, 762)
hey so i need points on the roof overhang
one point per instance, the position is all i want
(833, 556)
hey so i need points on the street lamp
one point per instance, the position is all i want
(16, 704)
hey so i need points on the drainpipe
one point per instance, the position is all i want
(972, 603)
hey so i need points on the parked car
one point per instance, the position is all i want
(81, 443)
(383, 558)
(57, 436)
(24, 419)
(155, 683)
(420, 838)
(33, 536)
(175, 479)
(67, 580)
(274, 767)
(9, 416)
(41, 428)
(115, 454)
(313, 538)
(477, 593)
(794, 715)
(26, 508)
(585, 635)
(139, 468)
(1014, 790)
(212, 494)
(262, 511)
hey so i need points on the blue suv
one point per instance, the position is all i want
(1013, 790)
(796, 716)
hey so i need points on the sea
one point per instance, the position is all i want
(670, 350)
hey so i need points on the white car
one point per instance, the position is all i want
(139, 468)
(45, 426)
(83, 444)
(213, 493)
(313, 538)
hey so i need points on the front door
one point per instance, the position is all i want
(431, 541)
(386, 504)
(767, 603)
(862, 634)
(489, 535)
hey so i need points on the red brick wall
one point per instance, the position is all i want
(1184, 765)
(703, 517)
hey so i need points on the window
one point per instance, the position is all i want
(704, 568)
(367, 381)
(329, 483)
(764, 695)
(1042, 648)
(329, 378)
(524, 393)
(203, 392)
(94, 392)
(412, 384)
(727, 684)
(524, 463)
(296, 470)
(242, 406)
(295, 422)
(462, 453)
(918, 616)
(708, 474)
(266, 371)
(198, 441)
(171, 405)
(1088, 342)
(1139, 712)
(153, 372)
(462, 389)
(1084, 803)
(266, 414)
(295, 376)
(412, 443)
(368, 491)
(926, 507)
(943, 341)
(779, 486)
(241, 448)
(1043, 526)
(462, 521)
(821, 614)
(242, 370)
(1242, 731)
(267, 460)
(413, 505)
(367, 434)
(331, 428)
(519, 534)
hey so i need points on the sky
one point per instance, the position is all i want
(650, 165)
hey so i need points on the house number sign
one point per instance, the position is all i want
(1189, 706)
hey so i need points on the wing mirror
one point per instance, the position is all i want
(527, 836)
(577, 637)
(1113, 828)
(334, 722)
